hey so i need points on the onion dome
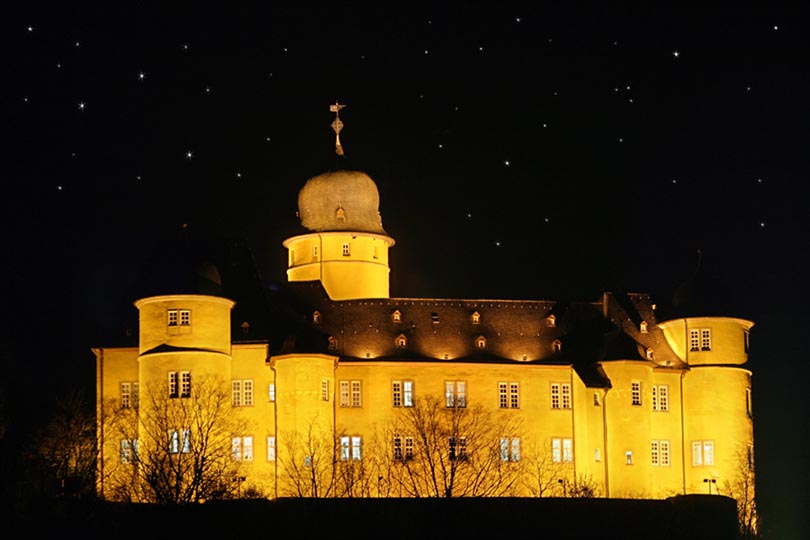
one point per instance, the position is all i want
(340, 201)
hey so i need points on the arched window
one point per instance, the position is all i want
(650, 354)
(316, 317)
(401, 341)
(556, 345)
(551, 320)
(643, 327)
(332, 343)
(481, 342)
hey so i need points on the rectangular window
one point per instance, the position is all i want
(350, 394)
(457, 448)
(346, 249)
(126, 451)
(659, 453)
(185, 384)
(560, 395)
(172, 317)
(455, 394)
(694, 340)
(628, 457)
(595, 399)
(315, 251)
(242, 393)
(242, 448)
(510, 449)
(635, 393)
(660, 398)
(136, 395)
(271, 448)
(271, 392)
(748, 404)
(402, 393)
(702, 453)
(179, 441)
(403, 448)
(185, 317)
(350, 448)
(396, 393)
(172, 384)
(325, 390)
(562, 450)
(705, 339)
(126, 395)
(508, 395)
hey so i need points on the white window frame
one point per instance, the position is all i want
(660, 398)
(635, 393)
(703, 453)
(185, 384)
(660, 455)
(562, 450)
(510, 449)
(242, 448)
(347, 249)
(242, 393)
(560, 395)
(324, 389)
(455, 394)
(126, 395)
(508, 395)
(705, 339)
(271, 392)
(172, 317)
(351, 393)
(351, 447)
(271, 448)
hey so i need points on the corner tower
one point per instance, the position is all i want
(347, 247)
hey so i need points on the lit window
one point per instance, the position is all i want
(702, 453)
(643, 327)
(650, 354)
(635, 393)
(457, 447)
(455, 394)
(396, 316)
(126, 395)
(434, 317)
(271, 392)
(271, 448)
(179, 441)
(508, 395)
(402, 393)
(659, 453)
(350, 448)
(560, 395)
(332, 343)
(350, 394)
(748, 403)
(481, 342)
(346, 249)
(325, 390)
(316, 317)
(510, 449)
(242, 448)
(129, 450)
(476, 318)
(551, 321)
(628, 457)
(562, 450)
(597, 456)
(242, 393)
(401, 341)
(746, 341)
(556, 345)
(660, 398)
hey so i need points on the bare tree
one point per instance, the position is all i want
(66, 447)
(308, 462)
(177, 450)
(741, 488)
(439, 451)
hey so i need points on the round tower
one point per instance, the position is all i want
(347, 247)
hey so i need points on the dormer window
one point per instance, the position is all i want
(396, 316)
(481, 342)
(340, 214)
(556, 345)
(401, 341)
(245, 327)
(551, 320)
(650, 354)
(434, 317)
(643, 327)
(316, 317)
(476, 317)
(332, 343)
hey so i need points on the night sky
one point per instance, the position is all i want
(520, 153)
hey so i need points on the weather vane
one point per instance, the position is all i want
(337, 125)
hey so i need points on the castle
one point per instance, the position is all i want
(333, 388)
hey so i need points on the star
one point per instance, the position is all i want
(76, 44)
(676, 54)
(507, 163)
(82, 105)
(30, 28)
(141, 76)
(762, 224)
(189, 154)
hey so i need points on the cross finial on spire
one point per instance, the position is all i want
(337, 125)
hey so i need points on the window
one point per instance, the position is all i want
(596, 402)
(403, 448)
(556, 345)
(643, 327)
(508, 395)
(457, 448)
(179, 380)
(481, 342)
(560, 395)
(510, 449)
(314, 252)
(635, 393)
(551, 321)
(659, 453)
(434, 317)
(178, 317)
(350, 448)
(185, 317)
(628, 457)
(455, 394)
(476, 318)
(350, 394)
(562, 450)
(401, 341)
(396, 316)
(332, 343)
(660, 398)
(172, 317)
(185, 384)
(129, 450)
(242, 393)
(126, 395)
(325, 390)
(316, 317)
(402, 393)
(746, 341)
(346, 249)
(172, 384)
(702, 453)
(271, 392)
(650, 353)
(700, 339)
(271, 448)
(242, 448)
(748, 403)
(597, 456)
(179, 441)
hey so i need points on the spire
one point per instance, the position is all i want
(337, 125)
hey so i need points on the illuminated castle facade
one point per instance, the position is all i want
(598, 395)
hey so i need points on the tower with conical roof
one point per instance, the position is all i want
(346, 248)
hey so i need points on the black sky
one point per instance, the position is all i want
(519, 153)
